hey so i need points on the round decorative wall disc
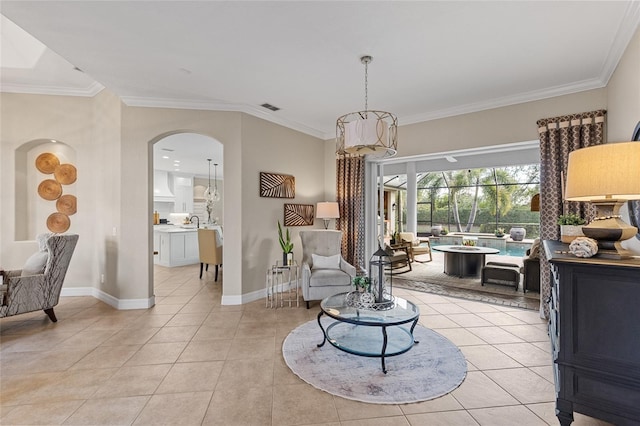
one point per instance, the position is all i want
(47, 162)
(58, 222)
(49, 189)
(65, 174)
(67, 204)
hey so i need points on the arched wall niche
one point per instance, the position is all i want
(31, 210)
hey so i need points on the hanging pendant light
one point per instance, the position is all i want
(216, 194)
(208, 193)
(208, 197)
(368, 132)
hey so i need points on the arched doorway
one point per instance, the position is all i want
(181, 173)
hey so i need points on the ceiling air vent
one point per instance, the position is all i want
(269, 106)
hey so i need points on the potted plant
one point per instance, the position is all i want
(444, 231)
(499, 232)
(570, 227)
(362, 283)
(286, 244)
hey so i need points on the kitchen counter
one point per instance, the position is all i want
(176, 245)
(174, 228)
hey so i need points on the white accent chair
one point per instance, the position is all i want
(321, 282)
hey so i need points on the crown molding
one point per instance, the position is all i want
(626, 30)
(221, 106)
(519, 98)
(90, 91)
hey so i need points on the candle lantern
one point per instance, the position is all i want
(381, 284)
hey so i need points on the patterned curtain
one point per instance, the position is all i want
(350, 193)
(558, 137)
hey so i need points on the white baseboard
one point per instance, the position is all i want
(76, 291)
(120, 304)
(254, 295)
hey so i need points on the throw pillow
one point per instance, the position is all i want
(42, 241)
(325, 262)
(35, 264)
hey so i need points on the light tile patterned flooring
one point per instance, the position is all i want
(189, 360)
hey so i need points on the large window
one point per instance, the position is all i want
(474, 200)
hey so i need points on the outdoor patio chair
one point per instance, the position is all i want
(531, 268)
(399, 255)
(419, 246)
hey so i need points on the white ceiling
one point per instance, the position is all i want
(431, 59)
(188, 153)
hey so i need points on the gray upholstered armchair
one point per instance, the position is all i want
(38, 284)
(330, 274)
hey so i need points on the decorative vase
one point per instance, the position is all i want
(517, 234)
(285, 258)
(435, 230)
(569, 233)
(290, 258)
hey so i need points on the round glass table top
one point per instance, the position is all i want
(466, 249)
(401, 311)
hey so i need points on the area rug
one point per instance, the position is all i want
(432, 368)
(430, 278)
(515, 300)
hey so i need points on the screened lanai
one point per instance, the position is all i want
(479, 200)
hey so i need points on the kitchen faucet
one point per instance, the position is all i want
(197, 221)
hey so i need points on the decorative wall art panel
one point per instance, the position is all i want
(276, 185)
(298, 214)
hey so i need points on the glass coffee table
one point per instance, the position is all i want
(369, 332)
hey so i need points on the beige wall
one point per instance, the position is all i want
(114, 145)
(103, 161)
(623, 94)
(26, 118)
(270, 148)
(515, 123)
(141, 127)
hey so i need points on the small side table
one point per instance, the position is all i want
(282, 281)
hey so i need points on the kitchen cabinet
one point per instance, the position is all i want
(183, 189)
(177, 247)
(594, 336)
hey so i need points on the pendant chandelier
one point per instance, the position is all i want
(216, 194)
(368, 132)
(208, 197)
(211, 194)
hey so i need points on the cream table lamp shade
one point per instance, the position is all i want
(606, 175)
(327, 210)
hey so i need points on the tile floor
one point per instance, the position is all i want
(189, 360)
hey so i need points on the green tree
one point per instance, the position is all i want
(498, 191)
(482, 192)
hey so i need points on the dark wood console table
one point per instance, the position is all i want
(595, 336)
